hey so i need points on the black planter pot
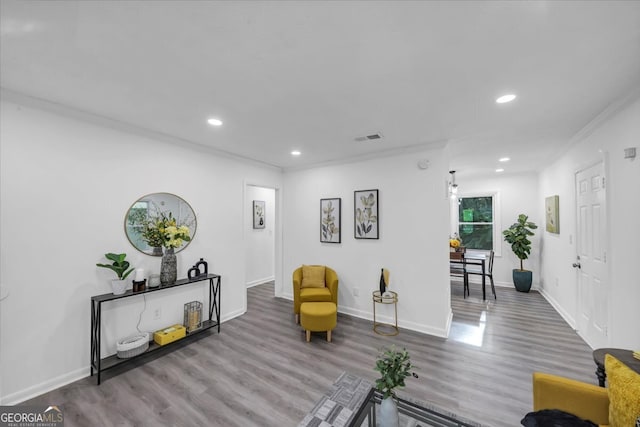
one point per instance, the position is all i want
(522, 280)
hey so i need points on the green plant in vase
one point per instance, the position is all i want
(517, 235)
(121, 267)
(394, 367)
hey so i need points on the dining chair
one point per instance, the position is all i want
(458, 268)
(488, 272)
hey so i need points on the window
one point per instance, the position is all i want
(477, 222)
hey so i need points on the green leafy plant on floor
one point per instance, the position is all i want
(119, 265)
(518, 236)
(394, 366)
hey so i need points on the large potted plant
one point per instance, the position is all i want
(394, 366)
(517, 235)
(119, 266)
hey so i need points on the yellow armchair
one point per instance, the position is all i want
(618, 405)
(328, 292)
(583, 400)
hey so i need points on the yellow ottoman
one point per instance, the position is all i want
(317, 317)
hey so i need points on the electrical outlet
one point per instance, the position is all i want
(157, 314)
(356, 292)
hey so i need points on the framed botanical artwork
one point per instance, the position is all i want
(365, 214)
(330, 220)
(552, 213)
(258, 214)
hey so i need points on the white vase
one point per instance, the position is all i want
(388, 413)
(118, 286)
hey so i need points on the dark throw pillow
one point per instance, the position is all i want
(554, 418)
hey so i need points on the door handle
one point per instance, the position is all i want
(576, 265)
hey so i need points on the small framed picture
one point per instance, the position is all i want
(330, 220)
(258, 214)
(365, 216)
(552, 209)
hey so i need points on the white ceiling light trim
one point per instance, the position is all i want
(499, 170)
(504, 159)
(506, 98)
(214, 122)
(295, 153)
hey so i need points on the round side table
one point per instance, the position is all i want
(625, 356)
(378, 327)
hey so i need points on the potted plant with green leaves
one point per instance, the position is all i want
(394, 366)
(517, 235)
(121, 268)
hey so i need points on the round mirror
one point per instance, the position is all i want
(160, 220)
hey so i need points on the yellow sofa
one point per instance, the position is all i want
(322, 292)
(615, 406)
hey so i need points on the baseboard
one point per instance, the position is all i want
(403, 324)
(477, 280)
(425, 329)
(232, 315)
(361, 314)
(64, 379)
(503, 284)
(44, 387)
(449, 321)
(260, 281)
(498, 284)
(417, 327)
(557, 307)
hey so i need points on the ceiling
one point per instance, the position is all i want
(314, 76)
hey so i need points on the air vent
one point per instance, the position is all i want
(372, 137)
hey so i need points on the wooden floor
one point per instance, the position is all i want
(260, 371)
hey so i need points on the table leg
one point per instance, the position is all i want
(374, 316)
(602, 376)
(484, 280)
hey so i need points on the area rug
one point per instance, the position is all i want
(339, 404)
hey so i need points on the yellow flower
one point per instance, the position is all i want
(171, 231)
(454, 243)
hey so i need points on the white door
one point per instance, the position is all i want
(593, 281)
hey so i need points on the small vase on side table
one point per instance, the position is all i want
(168, 267)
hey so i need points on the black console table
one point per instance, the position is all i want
(99, 365)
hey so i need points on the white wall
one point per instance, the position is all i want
(66, 185)
(607, 140)
(260, 243)
(517, 193)
(412, 245)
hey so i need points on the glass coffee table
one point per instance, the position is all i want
(411, 414)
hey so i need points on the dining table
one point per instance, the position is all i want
(473, 259)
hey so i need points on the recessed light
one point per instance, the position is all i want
(214, 122)
(506, 98)
(499, 170)
(504, 159)
(295, 153)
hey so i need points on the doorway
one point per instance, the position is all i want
(261, 227)
(591, 263)
(260, 239)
